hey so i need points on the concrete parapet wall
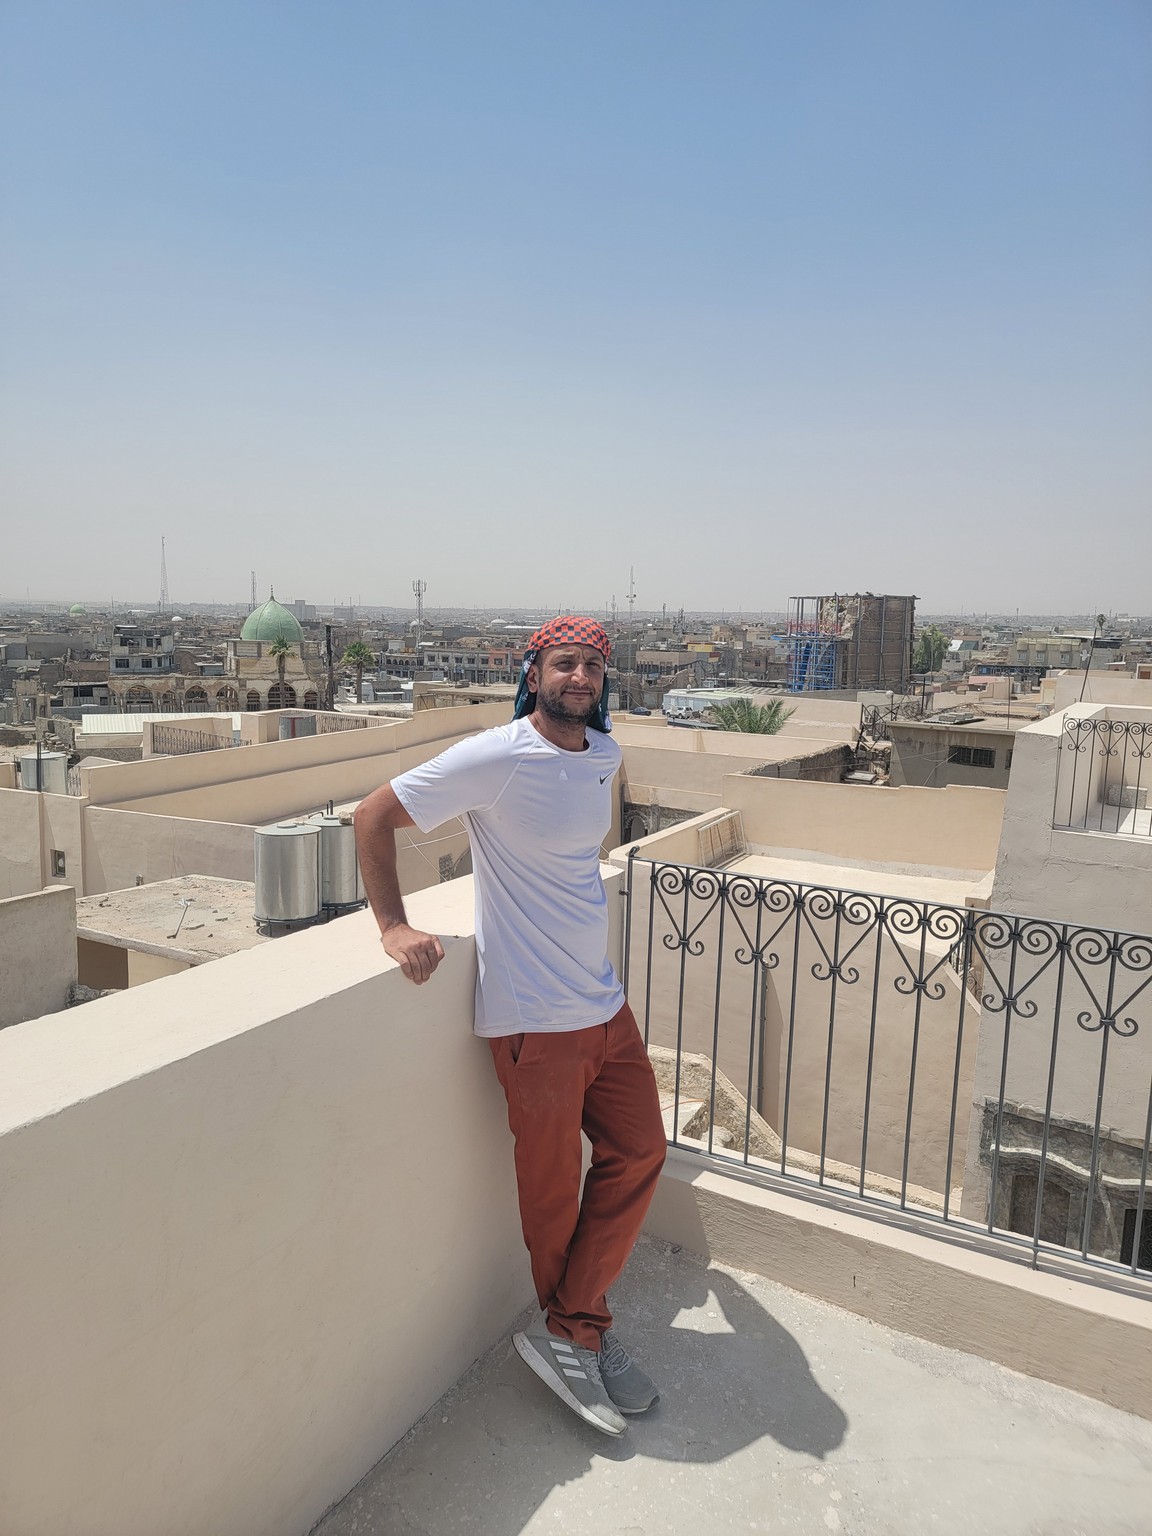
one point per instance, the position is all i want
(956, 828)
(123, 848)
(1100, 688)
(37, 953)
(21, 871)
(259, 783)
(256, 1218)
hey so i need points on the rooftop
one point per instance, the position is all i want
(998, 725)
(194, 918)
(778, 1414)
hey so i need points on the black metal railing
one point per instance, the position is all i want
(1104, 778)
(966, 1066)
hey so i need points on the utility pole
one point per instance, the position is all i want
(631, 596)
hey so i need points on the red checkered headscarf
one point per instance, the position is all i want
(568, 630)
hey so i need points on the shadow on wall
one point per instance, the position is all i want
(730, 1375)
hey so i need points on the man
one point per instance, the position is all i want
(536, 796)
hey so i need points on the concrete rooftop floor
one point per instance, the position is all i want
(778, 1414)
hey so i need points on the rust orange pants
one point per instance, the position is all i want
(598, 1081)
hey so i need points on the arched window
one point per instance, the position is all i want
(252, 702)
(138, 699)
(274, 700)
(227, 698)
(196, 698)
(310, 699)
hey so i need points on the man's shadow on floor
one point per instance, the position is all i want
(489, 1453)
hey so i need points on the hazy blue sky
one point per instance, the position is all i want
(759, 296)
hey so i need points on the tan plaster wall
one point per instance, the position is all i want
(62, 829)
(123, 845)
(223, 1297)
(37, 953)
(1101, 688)
(263, 783)
(676, 772)
(954, 828)
(20, 865)
(7, 775)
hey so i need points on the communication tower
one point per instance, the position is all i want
(163, 578)
(419, 587)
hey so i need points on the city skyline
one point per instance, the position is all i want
(519, 299)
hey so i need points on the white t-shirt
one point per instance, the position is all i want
(536, 817)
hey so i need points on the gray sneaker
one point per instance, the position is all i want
(626, 1384)
(573, 1374)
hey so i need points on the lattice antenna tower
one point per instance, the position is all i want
(419, 587)
(163, 577)
(255, 600)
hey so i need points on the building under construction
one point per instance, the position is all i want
(841, 642)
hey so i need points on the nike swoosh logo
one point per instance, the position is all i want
(604, 776)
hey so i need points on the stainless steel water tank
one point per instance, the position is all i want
(53, 776)
(288, 873)
(339, 872)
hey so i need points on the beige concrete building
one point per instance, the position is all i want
(958, 747)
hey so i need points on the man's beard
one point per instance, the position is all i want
(558, 710)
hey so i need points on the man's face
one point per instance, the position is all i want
(568, 681)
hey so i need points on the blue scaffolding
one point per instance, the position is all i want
(813, 643)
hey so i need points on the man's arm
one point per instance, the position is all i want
(376, 820)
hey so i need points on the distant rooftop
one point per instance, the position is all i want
(194, 918)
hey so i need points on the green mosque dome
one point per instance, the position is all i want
(77, 610)
(272, 621)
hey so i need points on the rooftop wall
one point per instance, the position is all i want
(261, 783)
(37, 953)
(955, 828)
(257, 1217)
(689, 769)
(20, 871)
(1101, 688)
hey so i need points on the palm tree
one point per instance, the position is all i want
(930, 647)
(756, 719)
(280, 650)
(358, 655)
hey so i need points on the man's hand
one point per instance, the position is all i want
(418, 953)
